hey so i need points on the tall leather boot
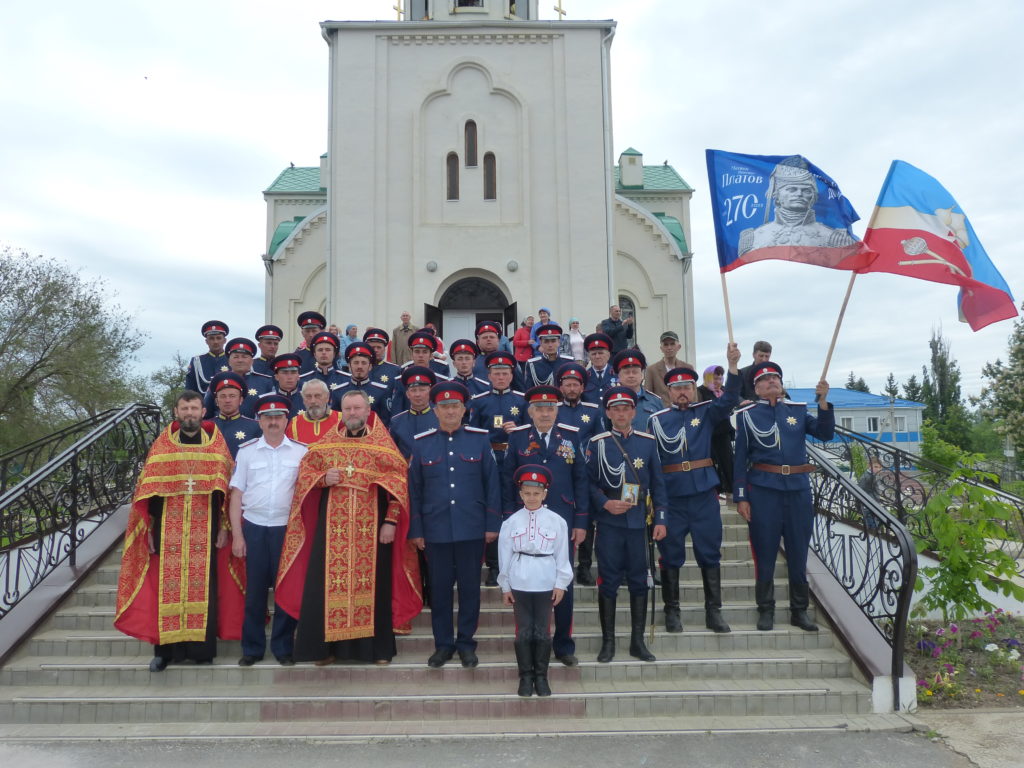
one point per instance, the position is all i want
(638, 623)
(541, 659)
(764, 594)
(524, 660)
(670, 594)
(713, 599)
(606, 610)
(799, 600)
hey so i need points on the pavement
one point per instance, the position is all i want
(991, 738)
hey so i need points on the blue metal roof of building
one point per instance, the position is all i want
(850, 398)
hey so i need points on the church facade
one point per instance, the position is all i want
(470, 175)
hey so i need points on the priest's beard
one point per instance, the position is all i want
(190, 426)
(355, 424)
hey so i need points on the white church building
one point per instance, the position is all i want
(470, 175)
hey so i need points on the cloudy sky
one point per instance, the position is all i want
(137, 137)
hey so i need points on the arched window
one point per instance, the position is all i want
(470, 144)
(629, 310)
(490, 177)
(453, 176)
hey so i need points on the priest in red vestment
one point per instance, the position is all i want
(317, 417)
(347, 572)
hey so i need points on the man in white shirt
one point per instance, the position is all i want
(261, 497)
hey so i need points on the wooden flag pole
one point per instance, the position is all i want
(728, 315)
(839, 322)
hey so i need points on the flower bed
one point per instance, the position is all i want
(974, 663)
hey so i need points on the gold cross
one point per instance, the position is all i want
(560, 11)
(191, 485)
(350, 470)
(399, 10)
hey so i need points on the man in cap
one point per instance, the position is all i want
(600, 376)
(227, 390)
(317, 417)
(261, 495)
(311, 323)
(620, 331)
(498, 411)
(286, 380)
(772, 489)
(401, 352)
(488, 340)
(240, 353)
(455, 496)
(654, 379)
(360, 361)
(629, 366)
(762, 354)
(204, 367)
(382, 370)
(326, 346)
(543, 318)
(540, 369)
(422, 346)
(556, 447)
(463, 354)
(624, 469)
(419, 417)
(268, 337)
(683, 432)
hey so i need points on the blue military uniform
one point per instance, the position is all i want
(376, 393)
(237, 430)
(586, 417)
(309, 319)
(405, 425)
(256, 384)
(771, 472)
(598, 382)
(202, 368)
(294, 397)
(647, 404)
(262, 364)
(455, 500)
(540, 370)
(474, 384)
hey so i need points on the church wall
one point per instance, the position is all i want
(300, 283)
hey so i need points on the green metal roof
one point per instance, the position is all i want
(675, 228)
(284, 229)
(631, 151)
(657, 177)
(303, 180)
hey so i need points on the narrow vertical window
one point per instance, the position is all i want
(453, 176)
(470, 144)
(490, 177)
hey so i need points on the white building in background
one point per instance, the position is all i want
(470, 175)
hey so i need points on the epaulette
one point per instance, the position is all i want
(746, 407)
(589, 405)
(477, 430)
(567, 357)
(570, 427)
(250, 441)
(480, 394)
(400, 413)
(698, 405)
(643, 434)
(534, 359)
(521, 427)
(378, 384)
(517, 392)
(658, 413)
(307, 374)
(792, 402)
(406, 364)
(292, 440)
(442, 377)
(430, 431)
(600, 436)
(257, 373)
(482, 381)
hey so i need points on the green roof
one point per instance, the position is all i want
(675, 228)
(657, 177)
(633, 152)
(284, 229)
(304, 180)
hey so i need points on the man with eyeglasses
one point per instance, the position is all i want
(655, 377)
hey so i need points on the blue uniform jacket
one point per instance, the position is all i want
(333, 377)
(295, 397)
(480, 371)
(308, 361)
(776, 435)
(486, 409)
(598, 384)
(685, 435)
(202, 368)
(569, 493)
(406, 425)
(474, 384)
(606, 467)
(387, 373)
(540, 370)
(376, 393)
(454, 489)
(256, 384)
(586, 417)
(237, 430)
(262, 365)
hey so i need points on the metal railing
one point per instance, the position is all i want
(45, 517)
(904, 483)
(868, 551)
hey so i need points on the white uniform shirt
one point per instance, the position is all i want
(266, 477)
(524, 535)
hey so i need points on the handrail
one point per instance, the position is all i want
(46, 517)
(868, 550)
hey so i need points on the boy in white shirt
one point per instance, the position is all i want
(534, 571)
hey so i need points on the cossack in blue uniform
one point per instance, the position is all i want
(540, 369)
(309, 319)
(253, 386)
(598, 381)
(330, 374)
(265, 333)
(204, 367)
(480, 365)
(647, 403)
(237, 431)
(472, 382)
(383, 371)
(406, 424)
(376, 393)
(287, 364)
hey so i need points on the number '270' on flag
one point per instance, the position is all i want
(918, 230)
(778, 207)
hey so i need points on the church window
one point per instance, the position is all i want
(453, 175)
(628, 311)
(470, 144)
(469, 3)
(490, 177)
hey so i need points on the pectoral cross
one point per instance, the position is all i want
(399, 10)
(190, 486)
(560, 11)
(350, 470)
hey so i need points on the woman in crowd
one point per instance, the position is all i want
(521, 346)
(571, 343)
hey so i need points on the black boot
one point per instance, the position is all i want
(713, 599)
(541, 659)
(606, 610)
(583, 577)
(670, 594)
(799, 600)
(524, 660)
(764, 594)
(638, 623)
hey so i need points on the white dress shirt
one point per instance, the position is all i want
(266, 477)
(533, 552)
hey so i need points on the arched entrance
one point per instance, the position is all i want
(465, 303)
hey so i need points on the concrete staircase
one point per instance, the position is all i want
(77, 678)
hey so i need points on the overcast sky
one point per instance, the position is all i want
(136, 139)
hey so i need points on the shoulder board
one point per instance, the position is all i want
(295, 442)
(663, 410)
(570, 427)
(793, 402)
(643, 434)
(250, 441)
(517, 392)
(401, 413)
(700, 404)
(590, 405)
(521, 427)
(482, 381)
(260, 375)
(745, 408)
(442, 377)
(480, 394)
(306, 375)
(406, 364)
(600, 436)
(534, 359)
(567, 357)
(476, 430)
(430, 431)
(378, 385)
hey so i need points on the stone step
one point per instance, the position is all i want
(722, 665)
(404, 702)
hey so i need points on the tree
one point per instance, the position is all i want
(1002, 399)
(165, 383)
(891, 388)
(856, 383)
(940, 393)
(66, 351)
(912, 389)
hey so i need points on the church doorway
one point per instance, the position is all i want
(467, 302)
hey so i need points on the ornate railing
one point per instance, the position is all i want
(44, 518)
(904, 483)
(869, 552)
(17, 464)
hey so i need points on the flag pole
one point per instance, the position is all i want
(728, 315)
(839, 322)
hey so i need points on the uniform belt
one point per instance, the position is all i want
(531, 554)
(499, 446)
(686, 466)
(785, 469)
